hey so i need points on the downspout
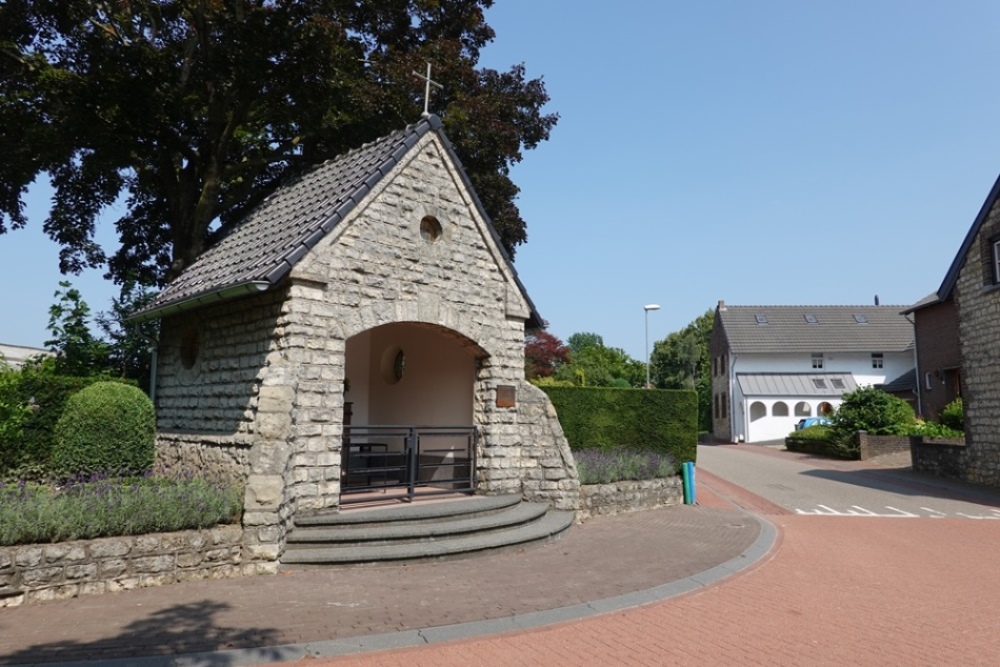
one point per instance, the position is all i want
(916, 368)
(732, 398)
(153, 363)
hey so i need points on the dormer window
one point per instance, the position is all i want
(761, 319)
(860, 319)
(810, 319)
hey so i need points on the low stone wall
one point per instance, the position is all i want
(40, 572)
(943, 457)
(871, 446)
(629, 496)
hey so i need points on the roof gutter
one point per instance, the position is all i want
(215, 296)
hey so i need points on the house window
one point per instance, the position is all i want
(811, 319)
(817, 360)
(780, 409)
(928, 382)
(724, 413)
(838, 383)
(803, 409)
(876, 360)
(819, 383)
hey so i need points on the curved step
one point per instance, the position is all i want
(473, 506)
(552, 524)
(507, 517)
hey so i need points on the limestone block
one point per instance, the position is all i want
(123, 584)
(84, 571)
(274, 426)
(260, 518)
(113, 567)
(189, 559)
(146, 544)
(264, 492)
(93, 588)
(29, 557)
(6, 561)
(160, 579)
(153, 564)
(61, 553)
(42, 576)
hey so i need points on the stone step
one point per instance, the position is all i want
(411, 531)
(549, 526)
(412, 513)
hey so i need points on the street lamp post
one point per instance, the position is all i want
(647, 308)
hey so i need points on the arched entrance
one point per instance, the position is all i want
(409, 397)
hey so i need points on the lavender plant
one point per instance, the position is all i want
(101, 505)
(598, 466)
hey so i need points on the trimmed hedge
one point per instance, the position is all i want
(607, 418)
(46, 394)
(106, 427)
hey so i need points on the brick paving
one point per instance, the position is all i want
(836, 591)
(602, 558)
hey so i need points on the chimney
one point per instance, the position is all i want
(722, 304)
(876, 299)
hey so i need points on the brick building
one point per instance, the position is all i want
(939, 360)
(972, 285)
(362, 307)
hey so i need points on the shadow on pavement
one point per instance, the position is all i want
(906, 482)
(167, 633)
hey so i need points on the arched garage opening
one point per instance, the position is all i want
(409, 397)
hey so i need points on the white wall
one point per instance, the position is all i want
(771, 427)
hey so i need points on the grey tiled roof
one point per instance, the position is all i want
(904, 383)
(262, 248)
(786, 329)
(928, 300)
(796, 384)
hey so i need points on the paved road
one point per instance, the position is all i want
(837, 590)
(809, 485)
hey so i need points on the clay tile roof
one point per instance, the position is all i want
(260, 250)
(766, 329)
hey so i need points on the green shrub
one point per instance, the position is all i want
(26, 452)
(933, 430)
(873, 410)
(953, 415)
(106, 427)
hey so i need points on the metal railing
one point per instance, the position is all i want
(402, 459)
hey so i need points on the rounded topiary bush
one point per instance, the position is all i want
(106, 427)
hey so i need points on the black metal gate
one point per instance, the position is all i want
(402, 459)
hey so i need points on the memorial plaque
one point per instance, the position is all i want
(506, 398)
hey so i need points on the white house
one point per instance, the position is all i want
(16, 355)
(774, 365)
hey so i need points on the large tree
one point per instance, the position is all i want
(681, 361)
(194, 110)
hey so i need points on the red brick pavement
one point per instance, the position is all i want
(602, 558)
(839, 591)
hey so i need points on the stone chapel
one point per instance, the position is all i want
(362, 328)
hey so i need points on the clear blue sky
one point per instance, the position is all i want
(761, 153)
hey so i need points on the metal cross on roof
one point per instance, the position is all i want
(427, 88)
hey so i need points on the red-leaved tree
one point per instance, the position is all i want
(543, 354)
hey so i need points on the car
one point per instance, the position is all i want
(812, 421)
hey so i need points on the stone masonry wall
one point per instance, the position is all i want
(375, 269)
(629, 496)
(941, 458)
(41, 572)
(978, 302)
(221, 412)
(548, 469)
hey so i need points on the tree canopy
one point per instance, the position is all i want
(682, 361)
(543, 355)
(195, 111)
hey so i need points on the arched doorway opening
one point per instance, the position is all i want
(409, 398)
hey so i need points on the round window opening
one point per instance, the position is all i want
(430, 229)
(190, 347)
(393, 365)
